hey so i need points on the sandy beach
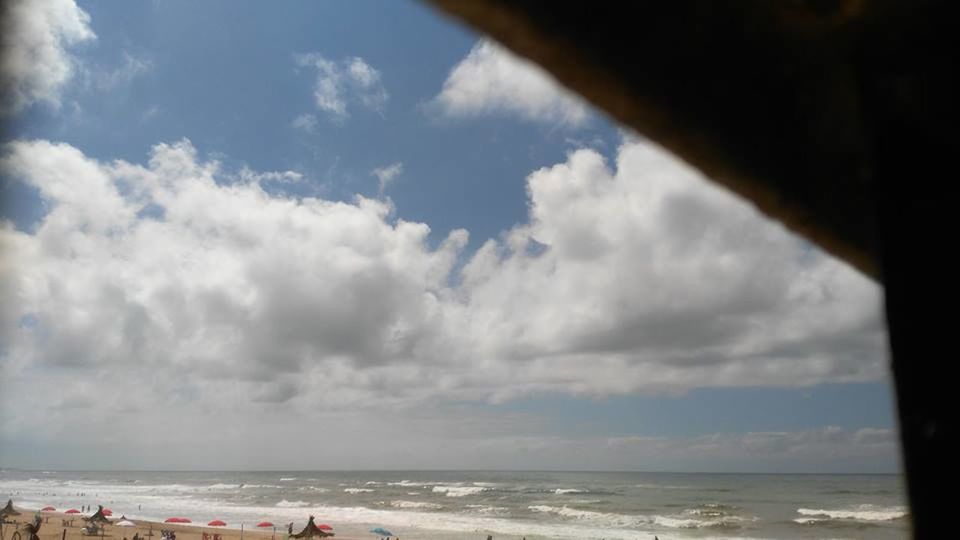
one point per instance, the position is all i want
(57, 525)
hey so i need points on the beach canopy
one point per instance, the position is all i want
(72, 511)
(100, 516)
(126, 523)
(264, 524)
(48, 509)
(107, 512)
(177, 520)
(8, 509)
(380, 531)
(324, 527)
(217, 523)
(310, 531)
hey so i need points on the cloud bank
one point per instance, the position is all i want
(632, 278)
(178, 294)
(493, 80)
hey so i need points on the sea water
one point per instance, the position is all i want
(458, 505)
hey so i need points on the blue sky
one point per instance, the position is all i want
(224, 206)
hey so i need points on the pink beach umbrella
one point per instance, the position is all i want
(48, 509)
(72, 511)
(177, 520)
(217, 523)
(324, 527)
(264, 524)
(107, 512)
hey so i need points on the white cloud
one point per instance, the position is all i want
(248, 175)
(36, 63)
(306, 122)
(211, 296)
(492, 80)
(339, 84)
(386, 175)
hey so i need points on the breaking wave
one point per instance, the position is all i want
(459, 491)
(863, 512)
(620, 520)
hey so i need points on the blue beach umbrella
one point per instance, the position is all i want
(381, 531)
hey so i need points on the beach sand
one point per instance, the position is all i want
(53, 529)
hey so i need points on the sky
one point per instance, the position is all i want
(361, 236)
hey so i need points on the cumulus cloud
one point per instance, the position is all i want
(35, 58)
(339, 85)
(493, 80)
(386, 174)
(211, 294)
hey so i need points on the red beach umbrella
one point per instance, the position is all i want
(324, 527)
(264, 524)
(217, 523)
(72, 511)
(107, 512)
(48, 509)
(177, 520)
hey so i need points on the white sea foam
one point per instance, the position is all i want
(292, 504)
(356, 520)
(863, 512)
(564, 491)
(357, 490)
(459, 491)
(620, 520)
(224, 486)
(415, 504)
(288, 478)
(408, 483)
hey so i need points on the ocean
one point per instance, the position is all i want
(455, 505)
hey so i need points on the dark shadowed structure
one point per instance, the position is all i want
(98, 517)
(835, 117)
(8, 510)
(311, 530)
